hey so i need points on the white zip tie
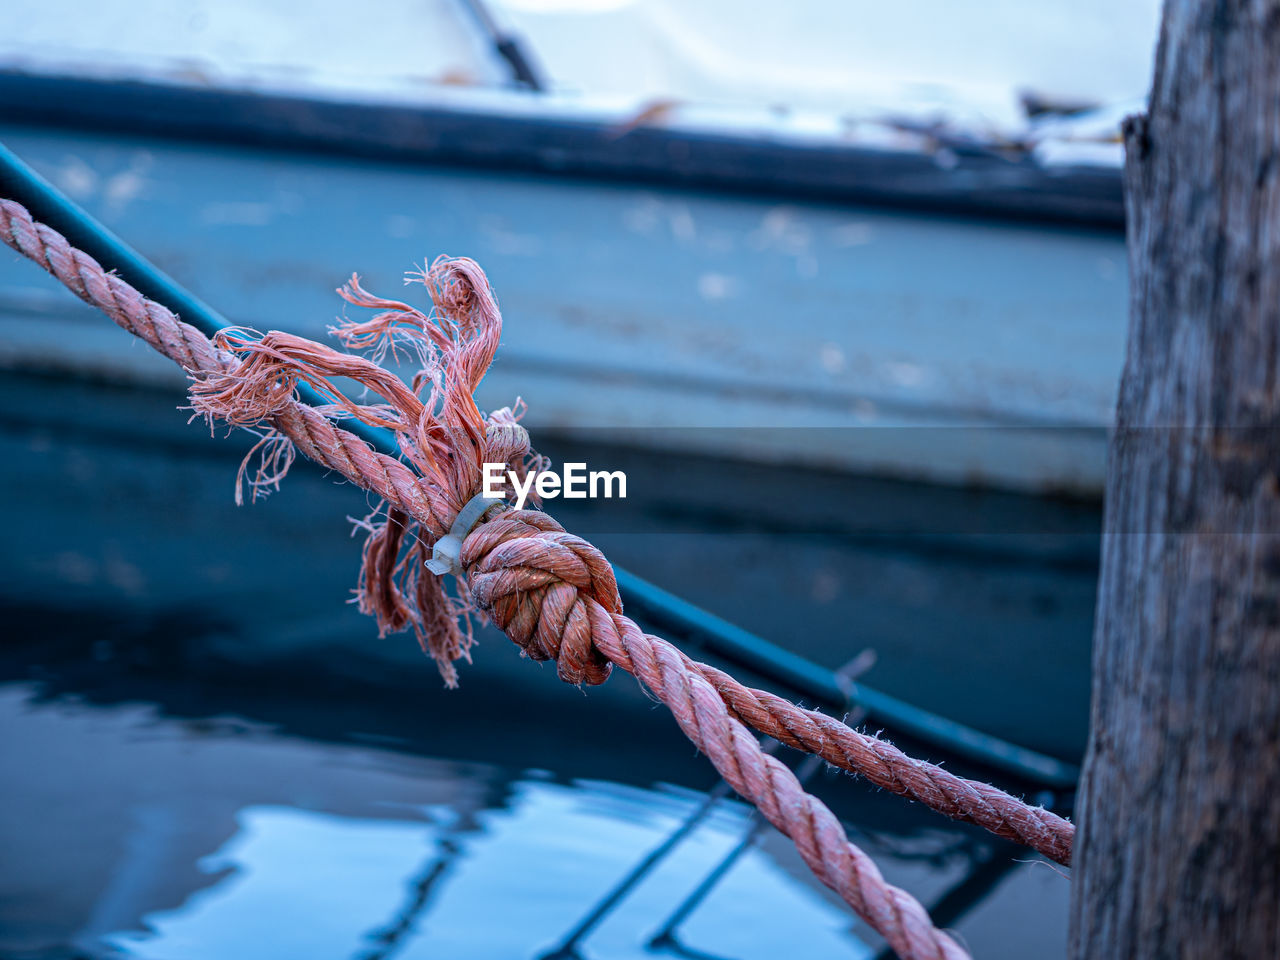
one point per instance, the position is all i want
(446, 555)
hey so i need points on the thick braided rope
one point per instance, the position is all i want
(548, 620)
(555, 596)
(182, 343)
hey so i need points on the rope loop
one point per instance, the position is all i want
(535, 581)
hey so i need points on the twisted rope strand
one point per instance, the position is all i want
(775, 791)
(555, 596)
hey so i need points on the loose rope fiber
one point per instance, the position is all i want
(552, 593)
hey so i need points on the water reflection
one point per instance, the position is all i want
(189, 863)
(302, 882)
(313, 883)
(130, 832)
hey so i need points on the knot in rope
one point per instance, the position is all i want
(539, 585)
(553, 593)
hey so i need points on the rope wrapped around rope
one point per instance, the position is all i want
(552, 593)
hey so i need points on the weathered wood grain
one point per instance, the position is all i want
(1178, 851)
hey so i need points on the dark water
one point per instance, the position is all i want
(205, 753)
(129, 831)
(151, 837)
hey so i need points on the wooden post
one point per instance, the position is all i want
(1178, 848)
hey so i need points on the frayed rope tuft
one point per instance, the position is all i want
(440, 430)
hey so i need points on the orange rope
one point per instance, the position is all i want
(552, 593)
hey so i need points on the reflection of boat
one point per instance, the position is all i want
(236, 834)
(935, 580)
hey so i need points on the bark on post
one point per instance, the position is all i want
(1178, 848)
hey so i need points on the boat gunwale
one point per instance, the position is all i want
(976, 181)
